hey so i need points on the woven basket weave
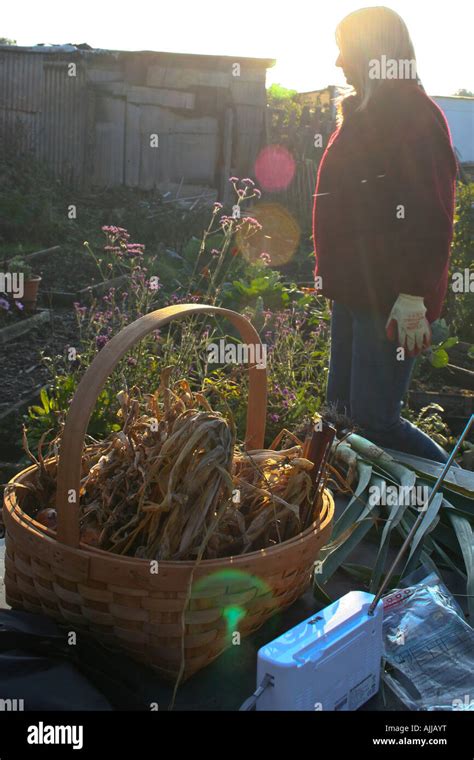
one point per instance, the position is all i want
(118, 599)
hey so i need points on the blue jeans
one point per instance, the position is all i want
(367, 382)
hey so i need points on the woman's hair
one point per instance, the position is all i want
(372, 35)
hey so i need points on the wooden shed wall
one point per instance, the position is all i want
(96, 127)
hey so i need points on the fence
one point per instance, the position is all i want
(304, 132)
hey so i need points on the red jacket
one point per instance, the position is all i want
(384, 202)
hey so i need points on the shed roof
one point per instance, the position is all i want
(454, 97)
(86, 50)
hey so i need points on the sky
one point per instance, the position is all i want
(299, 34)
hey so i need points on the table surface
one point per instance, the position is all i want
(229, 680)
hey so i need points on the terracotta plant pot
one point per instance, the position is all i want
(30, 294)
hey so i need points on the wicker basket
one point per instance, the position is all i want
(118, 599)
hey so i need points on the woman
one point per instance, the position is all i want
(382, 225)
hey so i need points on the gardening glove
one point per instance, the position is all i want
(408, 317)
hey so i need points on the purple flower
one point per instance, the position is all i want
(4, 304)
(101, 341)
(274, 417)
(19, 305)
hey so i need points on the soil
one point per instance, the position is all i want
(67, 271)
(440, 387)
(20, 359)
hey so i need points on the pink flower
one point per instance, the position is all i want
(252, 222)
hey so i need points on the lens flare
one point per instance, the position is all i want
(233, 615)
(279, 237)
(234, 588)
(274, 168)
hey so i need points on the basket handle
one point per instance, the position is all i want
(92, 382)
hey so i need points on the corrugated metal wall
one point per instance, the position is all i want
(44, 108)
(21, 88)
(63, 119)
(94, 128)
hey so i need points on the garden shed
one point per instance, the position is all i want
(107, 118)
(459, 112)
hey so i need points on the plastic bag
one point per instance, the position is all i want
(428, 647)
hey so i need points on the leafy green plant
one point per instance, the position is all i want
(31, 202)
(47, 416)
(430, 420)
(285, 101)
(444, 539)
(19, 265)
(259, 282)
(459, 310)
(439, 356)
